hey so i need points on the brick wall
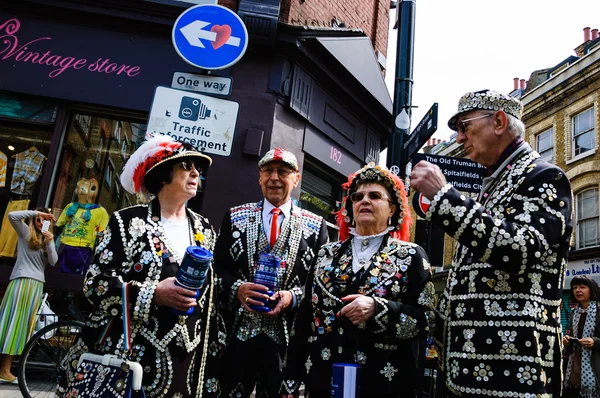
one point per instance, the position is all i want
(231, 4)
(372, 16)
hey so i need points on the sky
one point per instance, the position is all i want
(470, 45)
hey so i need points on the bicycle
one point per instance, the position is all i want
(43, 360)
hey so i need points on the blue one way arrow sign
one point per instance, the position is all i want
(210, 36)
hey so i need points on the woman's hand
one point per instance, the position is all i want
(46, 216)
(566, 339)
(167, 293)
(48, 237)
(587, 342)
(248, 293)
(359, 309)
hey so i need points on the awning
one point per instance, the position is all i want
(357, 56)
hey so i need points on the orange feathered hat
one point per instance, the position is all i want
(402, 218)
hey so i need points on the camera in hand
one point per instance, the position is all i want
(574, 340)
(266, 274)
(192, 272)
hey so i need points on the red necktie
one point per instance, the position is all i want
(274, 226)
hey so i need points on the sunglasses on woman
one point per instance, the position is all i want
(373, 195)
(187, 165)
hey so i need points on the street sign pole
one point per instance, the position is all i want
(403, 84)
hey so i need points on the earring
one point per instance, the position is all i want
(390, 220)
(353, 223)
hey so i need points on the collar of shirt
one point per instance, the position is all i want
(517, 142)
(286, 210)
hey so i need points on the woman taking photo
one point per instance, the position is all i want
(23, 296)
(370, 295)
(136, 262)
(582, 340)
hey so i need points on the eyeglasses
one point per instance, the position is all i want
(282, 173)
(462, 125)
(187, 165)
(373, 195)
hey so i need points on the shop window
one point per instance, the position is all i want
(94, 152)
(587, 218)
(583, 132)
(26, 127)
(545, 145)
(321, 195)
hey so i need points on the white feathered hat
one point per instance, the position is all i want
(155, 151)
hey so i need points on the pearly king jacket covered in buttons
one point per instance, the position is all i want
(176, 352)
(399, 280)
(241, 239)
(501, 305)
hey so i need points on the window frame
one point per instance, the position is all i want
(550, 148)
(587, 218)
(575, 135)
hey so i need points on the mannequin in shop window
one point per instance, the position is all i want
(83, 220)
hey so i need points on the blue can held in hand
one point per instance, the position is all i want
(266, 275)
(192, 272)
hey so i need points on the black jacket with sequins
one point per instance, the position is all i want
(501, 305)
(398, 279)
(172, 349)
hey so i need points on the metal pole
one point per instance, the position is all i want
(403, 85)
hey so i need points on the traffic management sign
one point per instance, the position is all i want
(205, 122)
(202, 83)
(210, 37)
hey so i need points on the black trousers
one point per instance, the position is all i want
(255, 362)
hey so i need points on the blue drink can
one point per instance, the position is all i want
(267, 270)
(192, 272)
(344, 380)
(194, 267)
(265, 274)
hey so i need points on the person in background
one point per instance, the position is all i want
(274, 226)
(140, 253)
(18, 312)
(501, 304)
(369, 297)
(582, 340)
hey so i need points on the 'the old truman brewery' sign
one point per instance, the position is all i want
(463, 174)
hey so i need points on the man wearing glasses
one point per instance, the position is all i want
(501, 305)
(273, 226)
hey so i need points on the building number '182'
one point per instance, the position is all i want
(335, 155)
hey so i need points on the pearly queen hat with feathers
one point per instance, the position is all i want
(371, 173)
(152, 153)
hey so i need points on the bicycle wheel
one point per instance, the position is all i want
(41, 364)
